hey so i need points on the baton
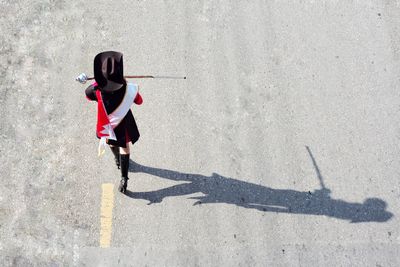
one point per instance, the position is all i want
(82, 78)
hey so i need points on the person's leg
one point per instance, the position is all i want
(124, 159)
(115, 151)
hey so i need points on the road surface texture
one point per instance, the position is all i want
(280, 149)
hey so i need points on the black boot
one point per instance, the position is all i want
(115, 151)
(124, 159)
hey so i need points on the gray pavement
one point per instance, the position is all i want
(280, 149)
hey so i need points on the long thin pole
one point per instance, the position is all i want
(149, 77)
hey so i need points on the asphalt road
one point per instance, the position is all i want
(280, 149)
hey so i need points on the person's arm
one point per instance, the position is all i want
(138, 99)
(90, 93)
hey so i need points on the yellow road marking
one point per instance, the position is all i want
(107, 204)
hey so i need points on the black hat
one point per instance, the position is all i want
(109, 71)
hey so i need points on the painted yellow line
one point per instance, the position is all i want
(107, 204)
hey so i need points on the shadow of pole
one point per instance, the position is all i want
(220, 189)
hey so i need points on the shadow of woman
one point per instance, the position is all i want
(220, 189)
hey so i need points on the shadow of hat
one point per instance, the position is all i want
(109, 71)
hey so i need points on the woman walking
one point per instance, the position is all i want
(116, 125)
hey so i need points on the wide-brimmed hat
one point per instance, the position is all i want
(109, 71)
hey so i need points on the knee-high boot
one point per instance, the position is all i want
(124, 159)
(115, 151)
